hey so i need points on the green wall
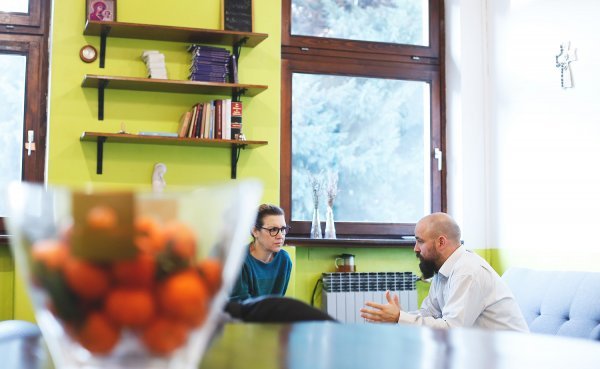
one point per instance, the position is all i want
(312, 261)
(73, 109)
(7, 283)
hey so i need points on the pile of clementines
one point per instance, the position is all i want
(160, 294)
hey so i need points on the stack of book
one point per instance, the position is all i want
(155, 63)
(209, 63)
(216, 119)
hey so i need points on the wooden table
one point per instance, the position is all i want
(381, 346)
(377, 346)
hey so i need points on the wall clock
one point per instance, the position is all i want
(88, 53)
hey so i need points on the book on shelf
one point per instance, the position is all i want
(211, 129)
(192, 125)
(199, 121)
(200, 62)
(227, 119)
(215, 57)
(207, 75)
(209, 63)
(211, 120)
(215, 49)
(206, 125)
(209, 69)
(236, 119)
(184, 124)
(233, 70)
(158, 134)
(219, 119)
(207, 79)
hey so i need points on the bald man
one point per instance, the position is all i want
(465, 290)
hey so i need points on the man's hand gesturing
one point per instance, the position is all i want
(388, 313)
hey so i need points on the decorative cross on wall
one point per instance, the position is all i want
(563, 61)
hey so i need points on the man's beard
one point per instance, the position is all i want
(428, 268)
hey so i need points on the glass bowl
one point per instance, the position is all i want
(130, 279)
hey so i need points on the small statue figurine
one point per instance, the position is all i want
(158, 179)
(563, 62)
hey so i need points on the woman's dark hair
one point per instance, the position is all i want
(266, 210)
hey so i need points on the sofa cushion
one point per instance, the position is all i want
(557, 302)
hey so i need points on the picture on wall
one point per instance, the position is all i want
(101, 10)
(238, 15)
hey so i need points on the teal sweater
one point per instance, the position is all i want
(260, 279)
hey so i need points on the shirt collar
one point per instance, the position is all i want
(451, 261)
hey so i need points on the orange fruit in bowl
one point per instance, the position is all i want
(98, 334)
(211, 271)
(184, 296)
(65, 233)
(130, 307)
(51, 253)
(181, 239)
(149, 236)
(138, 272)
(162, 336)
(102, 217)
(89, 281)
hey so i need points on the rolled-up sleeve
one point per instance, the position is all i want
(463, 307)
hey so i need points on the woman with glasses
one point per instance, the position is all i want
(267, 268)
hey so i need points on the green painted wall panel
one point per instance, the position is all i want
(311, 262)
(7, 282)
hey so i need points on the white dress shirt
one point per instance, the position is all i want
(467, 292)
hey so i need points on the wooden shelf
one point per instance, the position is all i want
(102, 137)
(165, 85)
(235, 39)
(350, 242)
(169, 33)
(170, 85)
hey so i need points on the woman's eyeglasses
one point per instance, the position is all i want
(275, 231)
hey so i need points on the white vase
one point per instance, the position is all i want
(329, 223)
(315, 228)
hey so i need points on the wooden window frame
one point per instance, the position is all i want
(301, 54)
(27, 34)
(33, 22)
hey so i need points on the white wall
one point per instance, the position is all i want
(467, 121)
(523, 151)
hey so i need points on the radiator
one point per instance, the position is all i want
(344, 294)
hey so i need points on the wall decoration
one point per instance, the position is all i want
(158, 177)
(315, 228)
(88, 53)
(563, 62)
(238, 15)
(101, 10)
(332, 192)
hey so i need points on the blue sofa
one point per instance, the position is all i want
(558, 303)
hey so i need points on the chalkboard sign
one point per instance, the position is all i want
(237, 15)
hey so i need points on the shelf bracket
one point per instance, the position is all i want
(99, 153)
(237, 48)
(235, 157)
(103, 36)
(237, 94)
(101, 87)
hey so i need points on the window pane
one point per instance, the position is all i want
(392, 21)
(15, 6)
(374, 133)
(12, 111)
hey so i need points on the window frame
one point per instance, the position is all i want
(27, 34)
(303, 54)
(32, 22)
